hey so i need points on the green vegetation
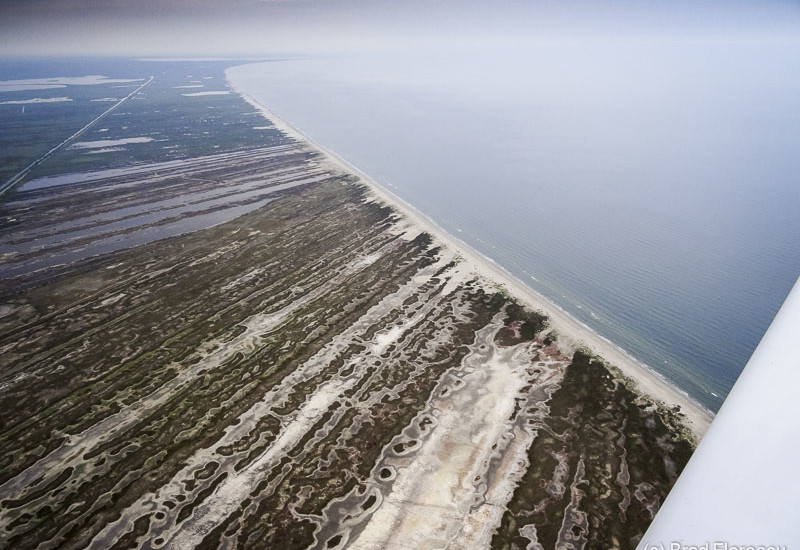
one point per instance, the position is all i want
(521, 325)
(611, 447)
(262, 381)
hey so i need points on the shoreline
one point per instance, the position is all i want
(570, 331)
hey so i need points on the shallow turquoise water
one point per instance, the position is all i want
(656, 198)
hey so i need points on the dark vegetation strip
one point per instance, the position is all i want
(588, 412)
(197, 409)
(150, 363)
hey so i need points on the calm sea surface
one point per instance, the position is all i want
(653, 193)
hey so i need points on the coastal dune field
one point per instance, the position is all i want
(575, 334)
(274, 352)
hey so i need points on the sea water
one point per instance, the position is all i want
(653, 193)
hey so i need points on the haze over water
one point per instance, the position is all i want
(650, 188)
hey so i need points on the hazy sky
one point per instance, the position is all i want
(247, 27)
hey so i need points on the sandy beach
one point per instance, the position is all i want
(571, 332)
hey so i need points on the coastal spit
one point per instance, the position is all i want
(257, 347)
